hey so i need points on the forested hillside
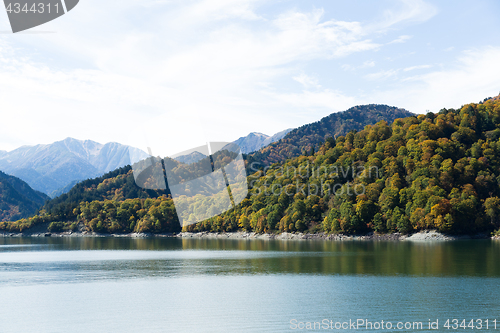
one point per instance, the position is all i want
(436, 171)
(115, 195)
(18, 199)
(305, 139)
(114, 202)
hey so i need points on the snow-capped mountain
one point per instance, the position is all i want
(49, 167)
(254, 141)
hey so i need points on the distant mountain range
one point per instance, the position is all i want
(51, 167)
(55, 168)
(18, 199)
(255, 141)
(250, 143)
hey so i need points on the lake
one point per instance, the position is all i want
(199, 285)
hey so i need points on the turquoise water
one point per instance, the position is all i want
(175, 285)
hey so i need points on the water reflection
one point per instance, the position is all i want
(157, 285)
(111, 258)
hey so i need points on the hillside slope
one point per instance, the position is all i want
(301, 140)
(18, 199)
(435, 171)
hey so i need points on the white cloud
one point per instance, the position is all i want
(382, 75)
(307, 81)
(411, 68)
(475, 75)
(208, 11)
(400, 39)
(201, 57)
(408, 11)
(347, 67)
(112, 64)
(365, 64)
(368, 64)
(318, 103)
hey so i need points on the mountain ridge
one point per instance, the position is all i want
(308, 137)
(255, 140)
(50, 167)
(190, 158)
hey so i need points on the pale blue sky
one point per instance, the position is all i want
(112, 70)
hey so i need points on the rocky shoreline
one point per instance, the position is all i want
(428, 235)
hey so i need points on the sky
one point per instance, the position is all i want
(140, 72)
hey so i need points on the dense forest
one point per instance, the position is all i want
(18, 199)
(435, 171)
(116, 185)
(117, 188)
(307, 138)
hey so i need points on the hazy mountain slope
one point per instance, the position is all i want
(65, 189)
(35, 179)
(18, 199)
(302, 139)
(276, 137)
(50, 167)
(190, 158)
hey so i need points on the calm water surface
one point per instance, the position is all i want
(174, 285)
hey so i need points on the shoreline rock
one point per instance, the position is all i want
(288, 236)
(422, 236)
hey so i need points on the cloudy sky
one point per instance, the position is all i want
(217, 70)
